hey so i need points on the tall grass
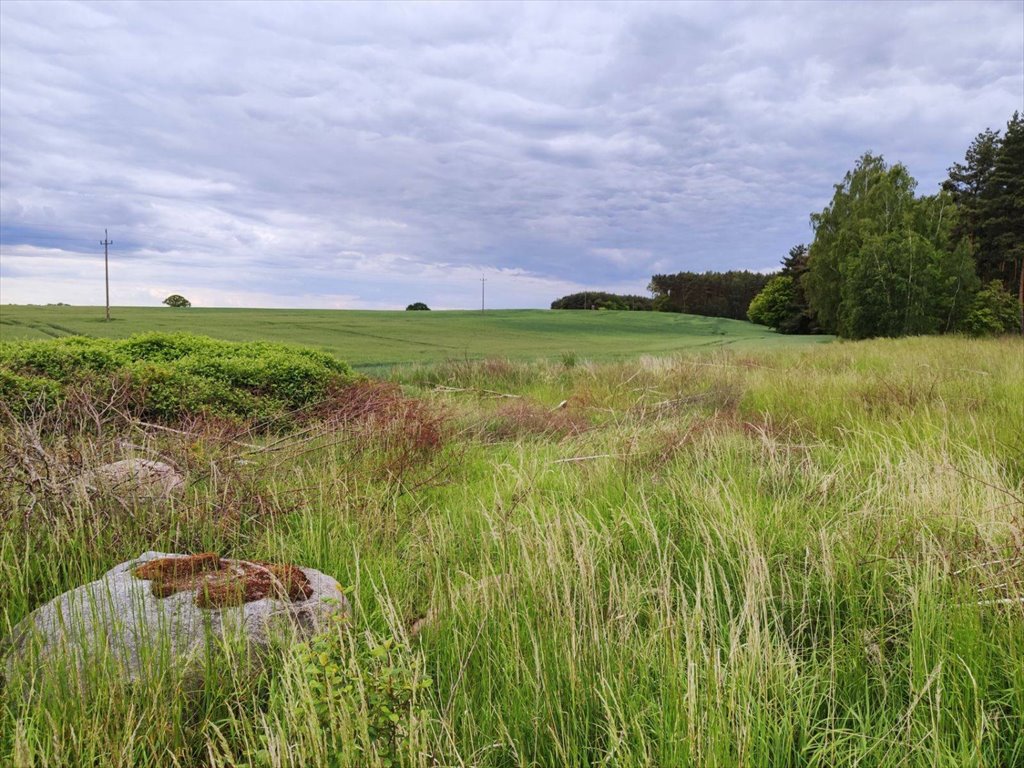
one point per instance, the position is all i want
(800, 558)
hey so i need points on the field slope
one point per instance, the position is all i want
(378, 339)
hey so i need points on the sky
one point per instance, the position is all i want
(367, 156)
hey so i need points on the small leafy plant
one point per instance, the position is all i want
(372, 682)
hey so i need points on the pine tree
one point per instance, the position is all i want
(1003, 213)
(968, 184)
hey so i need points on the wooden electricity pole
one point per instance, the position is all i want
(482, 281)
(107, 242)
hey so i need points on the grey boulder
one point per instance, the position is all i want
(135, 621)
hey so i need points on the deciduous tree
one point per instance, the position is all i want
(883, 262)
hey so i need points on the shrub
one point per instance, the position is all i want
(419, 306)
(774, 304)
(994, 311)
(19, 392)
(168, 393)
(169, 376)
(166, 347)
(64, 360)
(174, 300)
(403, 441)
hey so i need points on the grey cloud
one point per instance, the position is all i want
(332, 149)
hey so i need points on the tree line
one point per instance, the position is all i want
(884, 261)
(603, 300)
(716, 294)
(887, 262)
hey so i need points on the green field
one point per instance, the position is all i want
(367, 339)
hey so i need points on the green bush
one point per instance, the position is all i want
(169, 392)
(994, 311)
(775, 303)
(172, 375)
(18, 392)
(167, 347)
(64, 360)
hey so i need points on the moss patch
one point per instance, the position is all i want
(219, 583)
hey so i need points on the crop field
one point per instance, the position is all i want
(369, 340)
(746, 556)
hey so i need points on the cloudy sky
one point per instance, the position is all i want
(369, 156)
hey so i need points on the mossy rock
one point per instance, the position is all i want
(169, 607)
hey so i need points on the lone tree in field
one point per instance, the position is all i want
(419, 306)
(174, 300)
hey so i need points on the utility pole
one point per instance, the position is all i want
(107, 242)
(482, 281)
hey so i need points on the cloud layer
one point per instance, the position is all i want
(351, 155)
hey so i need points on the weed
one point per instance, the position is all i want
(376, 680)
(524, 418)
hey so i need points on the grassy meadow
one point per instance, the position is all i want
(378, 340)
(737, 555)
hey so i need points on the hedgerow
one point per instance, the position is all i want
(167, 376)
